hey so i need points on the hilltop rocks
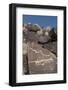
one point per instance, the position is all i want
(40, 32)
(33, 28)
(43, 35)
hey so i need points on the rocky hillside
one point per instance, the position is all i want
(39, 49)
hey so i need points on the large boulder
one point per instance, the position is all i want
(41, 60)
(43, 39)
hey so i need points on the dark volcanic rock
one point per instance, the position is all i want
(53, 35)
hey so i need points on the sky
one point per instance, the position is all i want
(43, 21)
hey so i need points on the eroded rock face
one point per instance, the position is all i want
(41, 60)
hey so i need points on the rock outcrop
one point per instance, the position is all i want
(41, 60)
(39, 49)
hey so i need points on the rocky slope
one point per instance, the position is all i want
(39, 50)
